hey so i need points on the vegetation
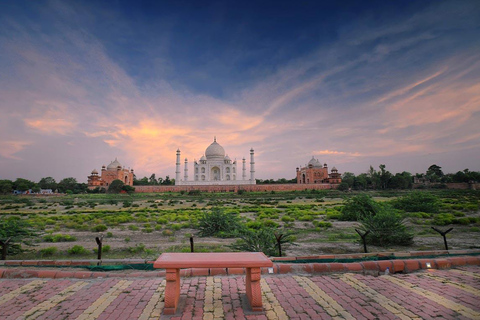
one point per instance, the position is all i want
(218, 223)
(14, 232)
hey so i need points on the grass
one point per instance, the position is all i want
(167, 217)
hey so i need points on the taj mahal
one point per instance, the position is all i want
(215, 168)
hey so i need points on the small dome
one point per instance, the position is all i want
(227, 157)
(312, 161)
(215, 151)
(114, 164)
(94, 171)
(334, 169)
(203, 158)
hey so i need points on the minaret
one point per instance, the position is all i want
(244, 170)
(252, 167)
(177, 169)
(185, 177)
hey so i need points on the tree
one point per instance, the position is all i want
(116, 186)
(47, 183)
(384, 176)
(13, 233)
(167, 181)
(360, 206)
(386, 228)
(152, 179)
(67, 184)
(23, 184)
(348, 178)
(434, 173)
(6, 186)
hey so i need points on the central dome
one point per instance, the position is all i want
(215, 151)
(113, 165)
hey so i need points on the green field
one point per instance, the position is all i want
(144, 225)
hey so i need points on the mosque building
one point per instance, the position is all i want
(315, 173)
(215, 168)
(114, 171)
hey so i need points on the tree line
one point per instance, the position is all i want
(384, 179)
(372, 179)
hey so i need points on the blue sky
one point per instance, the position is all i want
(353, 83)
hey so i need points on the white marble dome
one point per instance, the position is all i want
(215, 151)
(114, 164)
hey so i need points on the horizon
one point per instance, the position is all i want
(354, 85)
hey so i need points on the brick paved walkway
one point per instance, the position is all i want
(444, 294)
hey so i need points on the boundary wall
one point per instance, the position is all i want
(236, 188)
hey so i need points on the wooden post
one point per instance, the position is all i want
(364, 236)
(99, 241)
(444, 235)
(279, 237)
(192, 249)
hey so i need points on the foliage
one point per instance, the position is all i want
(386, 228)
(49, 251)
(417, 202)
(116, 186)
(218, 223)
(343, 186)
(77, 250)
(23, 184)
(59, 238)
(70, 185)
(358, 207)
(99, 228)
(264, 240)
(6, 186)
(48, 183)
(14, 232)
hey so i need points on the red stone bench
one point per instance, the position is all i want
(173, 262)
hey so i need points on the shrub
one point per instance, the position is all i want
(49, 251)
(417, 202)
(358, 207)
(77, 250)
(99, 228)
(216, 221)
(266, 240)
(287, 219)
(109, 234)
(322, 224)
(59, 238)
(386, 228)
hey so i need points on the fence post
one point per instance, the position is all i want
(99, 241)
(364, 240)
(444, 235)
(192, 249)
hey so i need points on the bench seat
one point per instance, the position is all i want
(251, 261)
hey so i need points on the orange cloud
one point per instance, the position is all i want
(8, 149)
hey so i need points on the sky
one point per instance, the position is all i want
(353, 83)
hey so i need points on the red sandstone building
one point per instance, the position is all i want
(114, 171)
(315, 173)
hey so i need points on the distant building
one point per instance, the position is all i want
(114, 171)
(316, 173)
(215, 168)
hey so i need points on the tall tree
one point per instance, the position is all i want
(6, 186)
(23, 184)
(434, 173)
(47, 183)
(68, 184)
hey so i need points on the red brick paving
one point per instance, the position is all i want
(292, 298)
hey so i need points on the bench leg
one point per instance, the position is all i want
(172, 291)
(253, 289)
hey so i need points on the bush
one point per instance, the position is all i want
(50, 251)
(264, 240)
(417, 202)
(77, 250)
(59, 238)
(386, 228)
(322, 224)
(217, 221)
(99, 228)
(359, 207)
